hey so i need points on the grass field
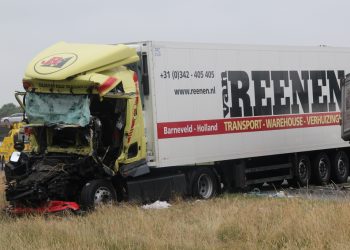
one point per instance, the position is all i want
(228, 222)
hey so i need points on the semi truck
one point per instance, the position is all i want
(149, 120)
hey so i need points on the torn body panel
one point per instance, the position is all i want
(38, 178)
(117, 82)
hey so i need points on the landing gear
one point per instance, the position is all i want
(276, 184)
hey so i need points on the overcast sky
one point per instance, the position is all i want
(27, 27)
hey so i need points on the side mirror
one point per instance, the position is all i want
(19, 146)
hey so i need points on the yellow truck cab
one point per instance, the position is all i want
(82, 102)
(61, 87)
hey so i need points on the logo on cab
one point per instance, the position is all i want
(54, 63)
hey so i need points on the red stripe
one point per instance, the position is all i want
(247, 124)
(106, 84)
(134, 108)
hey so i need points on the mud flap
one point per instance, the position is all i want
(239, 177)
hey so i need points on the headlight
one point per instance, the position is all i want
(15, 156)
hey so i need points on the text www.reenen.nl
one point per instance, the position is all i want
(199, 91)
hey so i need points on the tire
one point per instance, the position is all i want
(97, 192)
(7, 123)
(302, 171)
(340, 167)
(321, 168)
(204, 183)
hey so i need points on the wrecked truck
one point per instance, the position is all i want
(148, 120)
(83, 121)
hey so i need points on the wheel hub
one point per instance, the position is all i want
(322, 167)
(102, 195)
(205, 186)
(302, 169)
(341, 166)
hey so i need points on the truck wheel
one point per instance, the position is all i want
(7, 123)
(97, 192)
(340, 167)
(322, 168)
(302, 171)
(204, 183)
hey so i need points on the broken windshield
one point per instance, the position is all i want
(57, 109)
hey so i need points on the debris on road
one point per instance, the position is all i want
(157, 205)
(271, 194)
(280, 194)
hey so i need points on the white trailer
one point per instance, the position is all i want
(271, 112)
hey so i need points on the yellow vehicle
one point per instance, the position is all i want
(7, 147)
(82, 105)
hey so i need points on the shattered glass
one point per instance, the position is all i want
(57, 109)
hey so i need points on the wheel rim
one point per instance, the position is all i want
(205, 186)
(341, 166)
(322, 166)
(102, 196)
(302, 169)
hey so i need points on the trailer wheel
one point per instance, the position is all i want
(204, 183)
(340, 167)
(97, 192)
(322, 168)
(302, 171)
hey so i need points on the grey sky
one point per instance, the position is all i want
(28, 27)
